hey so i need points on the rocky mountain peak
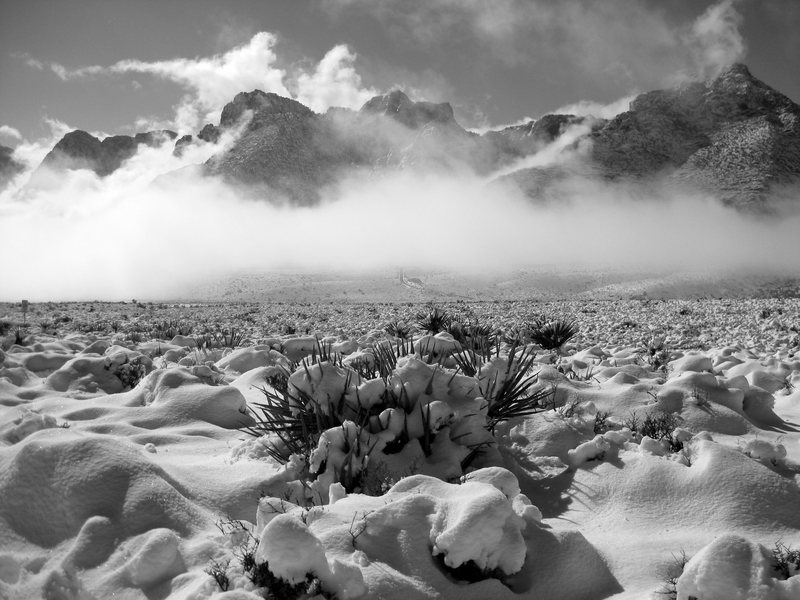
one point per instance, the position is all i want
(262, 104)
(81, 150)
(415, 115)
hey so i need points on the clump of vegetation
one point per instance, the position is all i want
(169, 328)
(786, 560)
(399, 329)
(5, 327)
(435, 320)
(295, 417)
(228, 337)
(131, 372)
(658, 426)
(20, 335)
(219, 571)
(268, 585)
(512, 395)
(600, 424)
(657, 354)
(552, 335)
(671, 575)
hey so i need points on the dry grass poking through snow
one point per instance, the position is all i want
(399, 452)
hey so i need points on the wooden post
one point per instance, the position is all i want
(24, 311)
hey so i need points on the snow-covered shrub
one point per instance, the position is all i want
(272, 581)
(131, 371)
(658, 426)
(671, 574)
(342, 423)
(787, 560)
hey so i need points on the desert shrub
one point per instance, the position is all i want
(385, 361)
(600, 422)
(435, 320)
(298, 420)
(514, 396)
(131, 372)
(786, 560)
(5, 327)
(169, 328)
(672, 573)
(656, 425)
(20, 335)
(656, 354)
(474, 336)
(219, 571)
(398, 329)
(568, 409)
(228, 337)
(328, 403)
(552, 335)
(269, 586)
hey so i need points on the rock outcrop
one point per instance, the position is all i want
(735, 137)
(81, 150)
(9, 167)
(287, 148)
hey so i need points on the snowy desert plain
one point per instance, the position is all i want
(623, 422)
(657, 454)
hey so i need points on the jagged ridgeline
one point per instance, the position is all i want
(733, 137)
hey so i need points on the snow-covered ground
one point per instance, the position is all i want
(124, 471)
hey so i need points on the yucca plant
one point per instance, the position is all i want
(468, 361)
(552, 335)
(299, 420)
(398, 329)
(228, 337)
(434, 320)
(513, 395)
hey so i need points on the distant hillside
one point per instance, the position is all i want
(734, 137)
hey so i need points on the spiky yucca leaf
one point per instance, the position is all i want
(513, 395)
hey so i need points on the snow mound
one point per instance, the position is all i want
(473, 522)
(55, 480)
(734, 568)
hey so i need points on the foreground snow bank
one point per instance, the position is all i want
(734, 568)
(480, 523)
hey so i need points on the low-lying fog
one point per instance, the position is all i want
(156, 226)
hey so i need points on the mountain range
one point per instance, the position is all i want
(733, 137)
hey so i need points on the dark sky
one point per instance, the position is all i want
(496, 62)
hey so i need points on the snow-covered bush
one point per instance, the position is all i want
(386, 409)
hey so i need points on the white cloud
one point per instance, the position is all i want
(211, 82)
(590, 108)
(31, 153)
(334, 82)
(9, 135)
(715, 39)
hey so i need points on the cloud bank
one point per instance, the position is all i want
(211, 82)
(155, 228)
